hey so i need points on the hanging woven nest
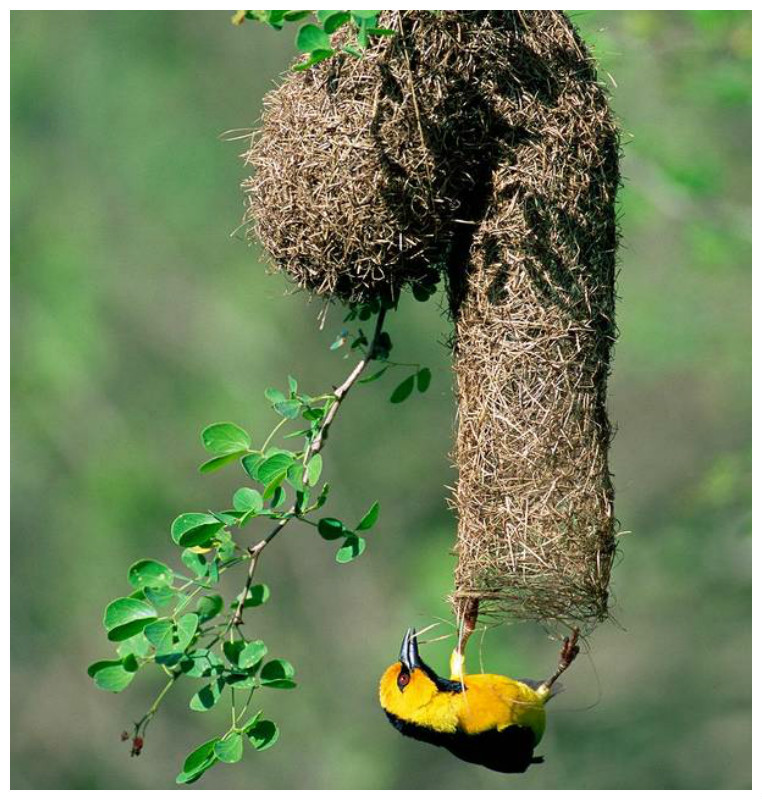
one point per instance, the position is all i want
(479, 146)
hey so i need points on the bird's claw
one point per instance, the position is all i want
(570, 648)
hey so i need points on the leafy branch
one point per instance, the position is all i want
(177, 622)
(312, 466)
(314, 38)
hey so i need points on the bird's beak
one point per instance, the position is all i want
(409, 656)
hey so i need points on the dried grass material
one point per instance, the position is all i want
(534, 329)
(480, 144)
(360, 166)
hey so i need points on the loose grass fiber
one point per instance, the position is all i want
(478, 145)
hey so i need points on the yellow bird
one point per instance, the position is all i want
(487, 719)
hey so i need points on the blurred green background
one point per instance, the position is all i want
(137, 319)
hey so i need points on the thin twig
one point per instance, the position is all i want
(151, 712)
(315, 446)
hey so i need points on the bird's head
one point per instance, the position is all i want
(409, 687)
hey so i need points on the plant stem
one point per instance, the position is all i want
(272, 434)
(151, 712)
(314, 447)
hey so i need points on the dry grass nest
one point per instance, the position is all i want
(476, 145)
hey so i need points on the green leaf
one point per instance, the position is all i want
(247, 499)
(384, 343)
(194, 529)
(225, 438)
(375, 376)
(333, 20)
(293, 386)
(313, 415)
(150, 573)
(251, 465)
(352, 548)
(195, 561)
(130, 663)
(403, 390)
(423, 378)
(274, 395)
(277, 673)
(314, 468)
(208, 696)
(197, 762)
(370, 518)
(251, 654)
(232, 650)
(230, 749)
(273, 491)
(161, 634)
(126, 617)
(214, 573)
(160, 597)
(299, 434)
(111, 675)
(201, 663)
(137, 646)
(294, 475)
(262, 734)
(259, 593)
(199, 756)
(242, 681)
(278, 495)
(252, 721)
(209, 606)
(331, 529)
(381, 31)
(362, 33)
(225, 546)
(294, 16)
(229, 518)
(275, 18)
(217, 463)
(275, 467)
(315, 57)
(365, 15)
(186, 779)
(323, 497)
(289, 409)
(311, 37)
(302, 500)
(422, 292)
(186, 629)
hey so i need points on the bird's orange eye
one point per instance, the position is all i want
(403, 679)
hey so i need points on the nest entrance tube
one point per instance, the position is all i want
(478, 144)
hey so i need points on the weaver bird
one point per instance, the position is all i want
(487, 719)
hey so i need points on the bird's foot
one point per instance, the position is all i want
(570, 649)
